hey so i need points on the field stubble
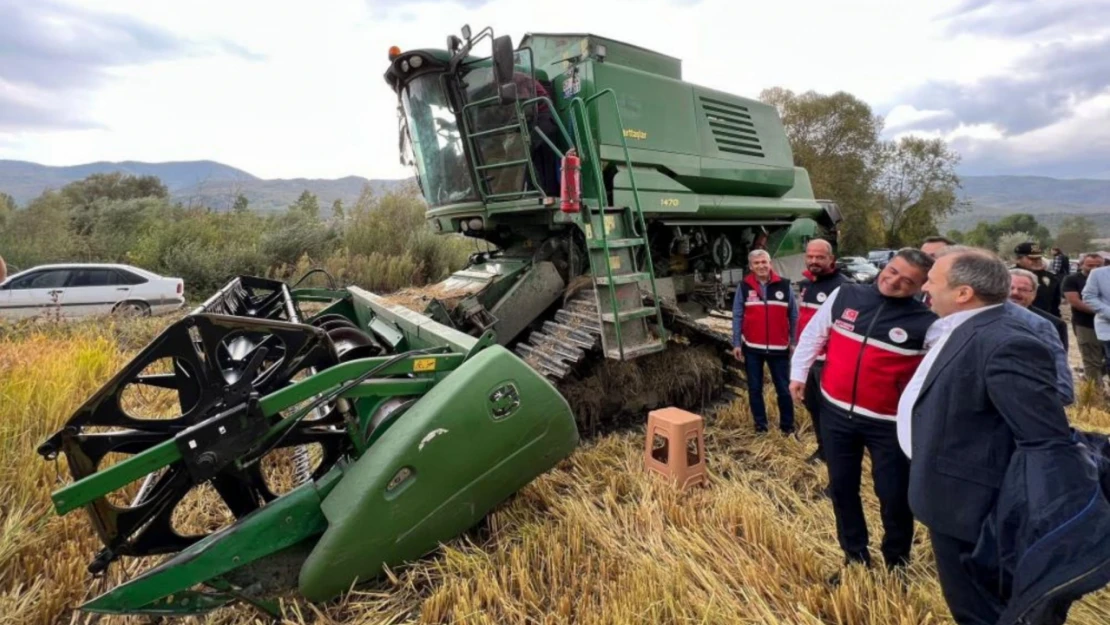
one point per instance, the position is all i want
(596, 540)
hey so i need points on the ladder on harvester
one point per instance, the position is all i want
(620, 258)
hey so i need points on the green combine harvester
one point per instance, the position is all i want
(619, 204)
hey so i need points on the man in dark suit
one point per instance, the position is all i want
(981, 389)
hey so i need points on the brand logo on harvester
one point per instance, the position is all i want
(851, 314)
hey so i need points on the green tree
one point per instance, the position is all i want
(82, 196)
(307, 204)
(40, 233)
(956, 236)
(916, 185)
(1075, 235)
(1008, 241)
(7, 208)
(1024, 222)
(337, 209)
(835, 138)
(241, 204)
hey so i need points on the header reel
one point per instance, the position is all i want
(262, 413)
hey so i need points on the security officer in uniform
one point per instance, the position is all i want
(1049, 291)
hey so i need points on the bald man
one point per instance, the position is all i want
(821, 278)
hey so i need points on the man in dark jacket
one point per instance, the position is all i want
(1061, 264)
(822, 277)
(981, 393)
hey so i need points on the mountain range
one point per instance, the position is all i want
(215, 184)
(1050, 200)
(201, 183)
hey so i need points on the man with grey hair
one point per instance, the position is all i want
(1023, 290)
(992, 464)
(764, 315)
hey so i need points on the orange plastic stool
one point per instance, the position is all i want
(675, 446)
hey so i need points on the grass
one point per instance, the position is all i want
(595, 541)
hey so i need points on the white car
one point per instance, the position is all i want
(85, 289)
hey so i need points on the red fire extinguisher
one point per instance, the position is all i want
(571, 187)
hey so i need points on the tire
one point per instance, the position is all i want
(131, 308)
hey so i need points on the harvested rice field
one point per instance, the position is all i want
(595, 541)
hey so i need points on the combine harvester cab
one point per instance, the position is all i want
(416, 432)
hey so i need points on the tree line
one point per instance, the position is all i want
(895, 193)
(381, 243)
(890, 193)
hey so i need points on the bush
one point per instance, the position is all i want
(382, 244)
(1007, 243)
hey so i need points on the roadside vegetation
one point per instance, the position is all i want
(380, 243)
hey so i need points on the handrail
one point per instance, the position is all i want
(636, 199)
(591, 154)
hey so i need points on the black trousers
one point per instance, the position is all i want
(813, 402)
(845, 437)
(968, 601)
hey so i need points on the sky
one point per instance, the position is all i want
(295, 89)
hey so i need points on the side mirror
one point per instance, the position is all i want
(466, 32)
(507, 93)
(503, 64)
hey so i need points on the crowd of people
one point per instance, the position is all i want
(951, 371)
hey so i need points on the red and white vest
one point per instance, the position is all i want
(814, 291)
(766, 320)
(874, 347)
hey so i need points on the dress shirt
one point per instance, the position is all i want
(935, 340)
(1097, 295)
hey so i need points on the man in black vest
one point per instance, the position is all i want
(822, 277)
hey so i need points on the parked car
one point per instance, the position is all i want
(87, 289)
(857, 268)
(880, 258)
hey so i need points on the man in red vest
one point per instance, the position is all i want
(764, 315)
(822, 278)
(874, 336)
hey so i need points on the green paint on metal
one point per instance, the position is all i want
(115, 477)
(329, 379)
(284, 522)
(469, 443)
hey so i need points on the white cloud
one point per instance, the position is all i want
(316, 105)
